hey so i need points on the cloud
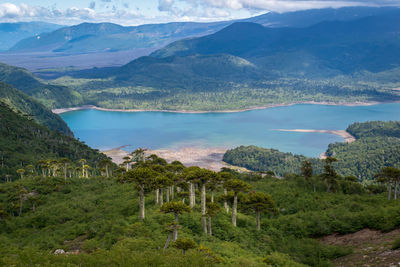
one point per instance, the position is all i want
(166, 5)
(10, 12)
(274, 5)
(92, 5)
(118, 11)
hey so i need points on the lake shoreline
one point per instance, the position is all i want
(350, 104)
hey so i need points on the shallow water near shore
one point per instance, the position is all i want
(164, 130)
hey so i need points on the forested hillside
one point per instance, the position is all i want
(377, 145)
(151, 215)
(52, 96)
(19, 102)
(23, 143)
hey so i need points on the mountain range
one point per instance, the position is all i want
(357, 60)
(107, 37)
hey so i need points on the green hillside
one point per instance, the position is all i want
(52, 96)
(26, 105)
(23, 142)
(96, 221)
(377, 145)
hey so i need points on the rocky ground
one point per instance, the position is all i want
(370, 248)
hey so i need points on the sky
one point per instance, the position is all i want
(136, 12)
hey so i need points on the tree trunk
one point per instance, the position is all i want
(225, 201)
(178, 189)
(107, 174)
(20, 206)
(65, 172)
(212, 197)
(209, 226)
(314, 189)
(83, 170)
(258, 220)
(161, 197)
(389, 191)
(191, 195)
(156, 196)
(141, 204)
(176, 227)
(173, 192)
(203, 208)
(234, 210)
(395, 191)
(127, 167)
(329, 188)
(168, 240)
(167, 198)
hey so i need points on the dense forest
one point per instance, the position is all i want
(23, 143)
(377, 145)
(151, 213)
(29, 107)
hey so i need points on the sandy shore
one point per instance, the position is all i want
(208, 158)
(63, 110)
(342, 133)
(348, 138)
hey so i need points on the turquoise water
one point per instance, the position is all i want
(156, 130)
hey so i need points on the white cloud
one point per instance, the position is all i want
(288, 5)
(10, 12)
(169, 10)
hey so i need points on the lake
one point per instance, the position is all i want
(165, 130)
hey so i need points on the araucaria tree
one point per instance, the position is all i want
(329, 175)
(212, 209)
(236, 186)
(391, 177)
(260, 203)
(175, 207)
(225, 176)
(143, 178)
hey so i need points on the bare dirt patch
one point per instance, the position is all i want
(208, 158)
(370, 248)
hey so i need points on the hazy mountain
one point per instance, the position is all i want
(27, 106)
(89, 38)
(370, 43)
(51, 96)
(11, 33)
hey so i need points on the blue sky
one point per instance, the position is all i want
(135, 12)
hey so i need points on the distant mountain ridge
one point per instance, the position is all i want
(103, 37)
(11, 33)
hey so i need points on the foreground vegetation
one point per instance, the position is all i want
(377, 145)
(132, 217)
